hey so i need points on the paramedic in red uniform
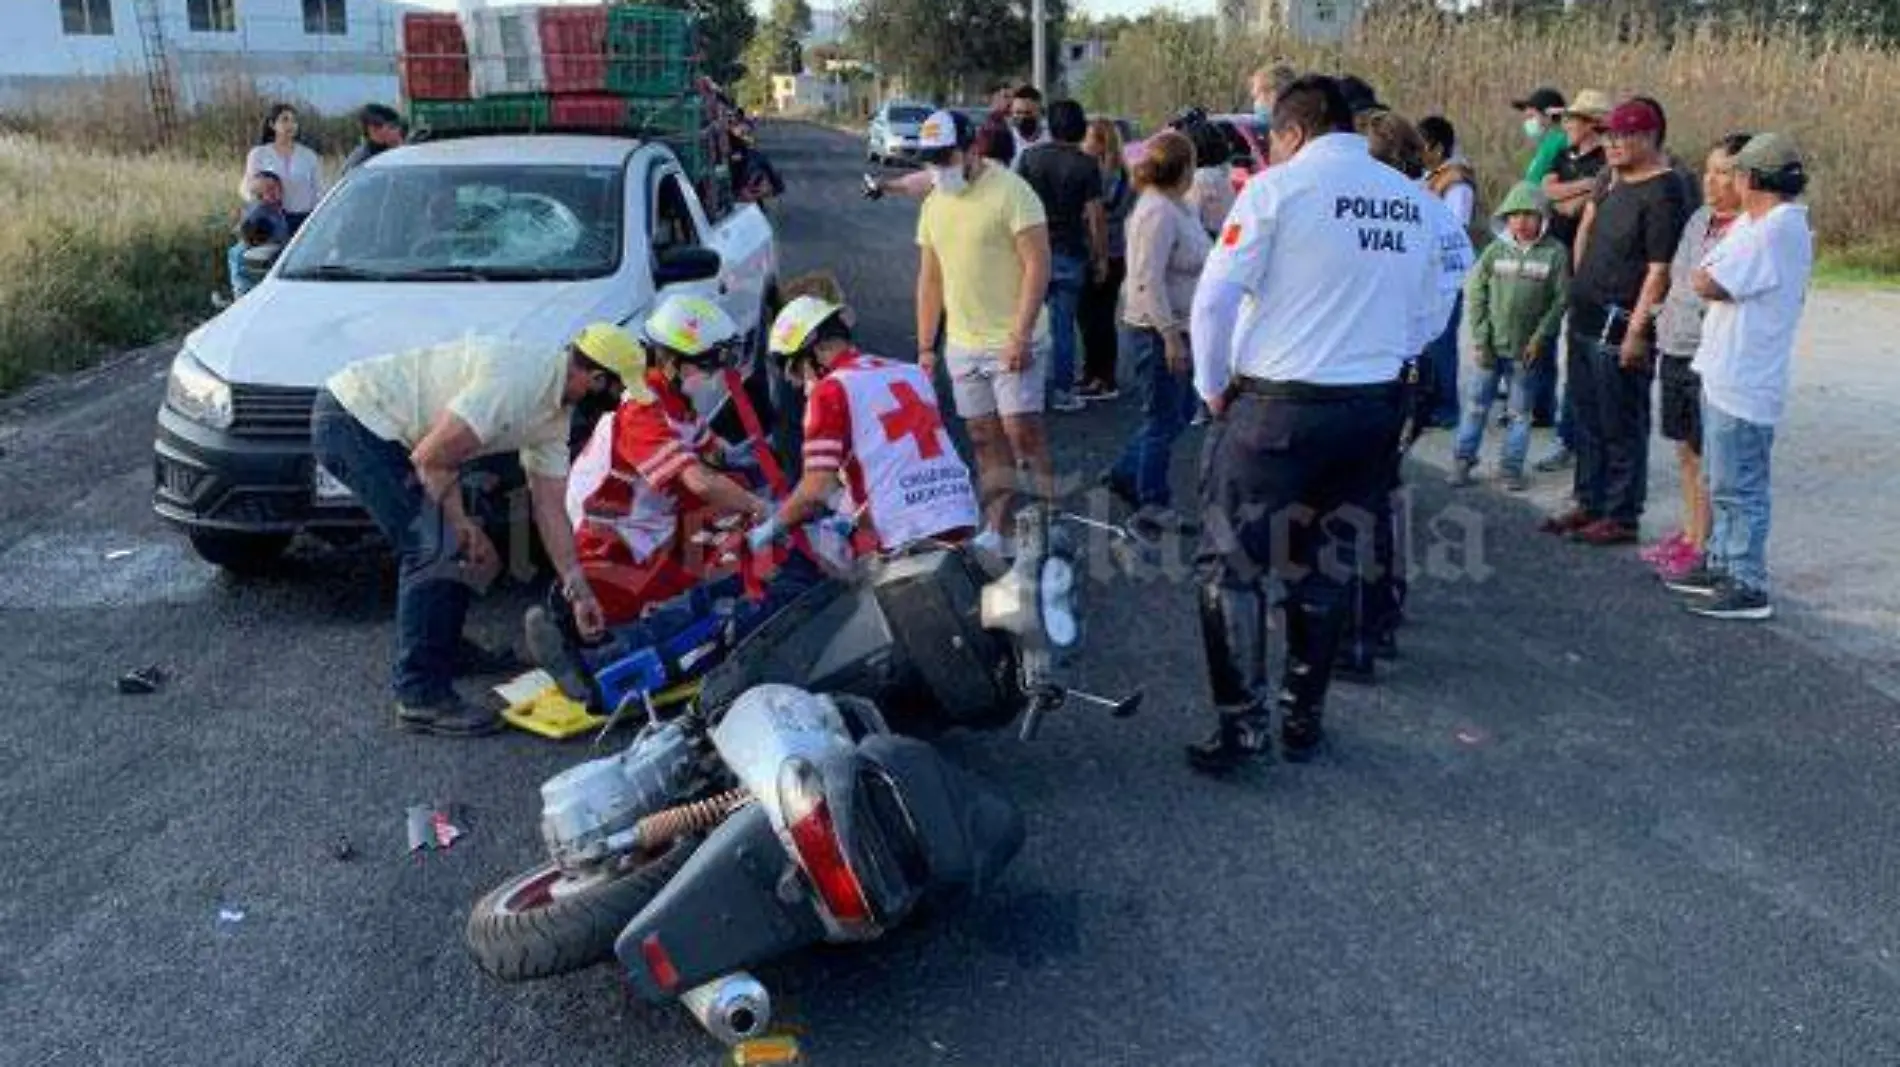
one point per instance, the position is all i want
(874, 425)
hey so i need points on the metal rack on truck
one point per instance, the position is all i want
(621, 69)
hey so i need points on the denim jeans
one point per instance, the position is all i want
(1169, 404)
(1443, 354)
(1735, 469)
(1481, 391)
(432, 597)
(1612, 411)
(1066, 277)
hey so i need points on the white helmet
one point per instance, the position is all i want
(793, 330)
(691, 326)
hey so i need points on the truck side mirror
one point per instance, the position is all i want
(257, 262)
(691, 263)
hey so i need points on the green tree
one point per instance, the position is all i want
(945, 47)
(726, 27)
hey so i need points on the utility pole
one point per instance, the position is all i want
(1039, 37)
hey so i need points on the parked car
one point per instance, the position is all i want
(1246, 140)
(526, 238)
(893, 132)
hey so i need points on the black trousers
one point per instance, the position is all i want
(1294, 485)
(1611, 407)
(1096, 318)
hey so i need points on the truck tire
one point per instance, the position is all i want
(520, 931)
(240, 553)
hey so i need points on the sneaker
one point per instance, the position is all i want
(1200, 417)
(995, 544)
(1092, 391)
(1735, 602)
(1568, 523)
(1678, 564)
(1461, 473)
(1560, 460)
(1066, 403)
(1665, 549)
(451, 717)
(1119, 489)
(1700, 582)
(1515, 481)
(1605, 533)
(549, 646)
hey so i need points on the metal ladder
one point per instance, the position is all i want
(158, 68)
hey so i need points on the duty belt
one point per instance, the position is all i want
(1274, 390)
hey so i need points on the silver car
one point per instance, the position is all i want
(893, 132)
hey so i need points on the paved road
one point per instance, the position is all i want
(1574, 827)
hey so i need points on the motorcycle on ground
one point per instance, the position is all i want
(794, 802)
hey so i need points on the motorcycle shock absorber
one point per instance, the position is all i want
(664, 827)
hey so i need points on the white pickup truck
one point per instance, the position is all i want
(524, 237)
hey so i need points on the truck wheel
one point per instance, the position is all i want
(525, 929)
(240, 553)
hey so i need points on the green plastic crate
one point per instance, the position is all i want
(667, 116)
(650, 51)
(527, 113)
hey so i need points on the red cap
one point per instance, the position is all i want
(1633, 117)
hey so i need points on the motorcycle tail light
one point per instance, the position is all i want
(659, 964)
(814, 834)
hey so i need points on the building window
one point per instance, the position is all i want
(325, 17)
(1325, 11)
(211, 16)
(90, 18)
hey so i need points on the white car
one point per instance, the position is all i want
(893, 132)
(525, 237)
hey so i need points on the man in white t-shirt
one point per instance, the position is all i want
(1756, 284)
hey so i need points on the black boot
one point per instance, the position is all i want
(1233, 634)
(1313, 631)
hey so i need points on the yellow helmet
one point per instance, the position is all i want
(692, 326)
(615, 349)
(793, 329)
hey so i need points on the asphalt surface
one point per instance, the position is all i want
(1573, 826)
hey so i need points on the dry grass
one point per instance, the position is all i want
(102, 251)
(1835, 96)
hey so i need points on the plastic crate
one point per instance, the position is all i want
(590, 111)
(574, 49)
(505, 51)
(524, 113)
(650, 51)
(434, 62)
(667, 116)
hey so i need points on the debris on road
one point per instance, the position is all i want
(1471, 735)
(775, 1049)
(431, 829)
(143, 681)
(342, 849)
(230, 916)
(118, 554)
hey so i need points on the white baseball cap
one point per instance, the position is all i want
(940, 130)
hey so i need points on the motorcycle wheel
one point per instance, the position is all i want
(523, 930)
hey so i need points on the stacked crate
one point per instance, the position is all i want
(611, 68)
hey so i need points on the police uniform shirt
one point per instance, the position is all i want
(1342, 262)
(1456, 257)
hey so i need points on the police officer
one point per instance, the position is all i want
(1377, 599)
(1332, 255)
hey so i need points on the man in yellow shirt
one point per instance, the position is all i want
(397, 430)
(984, 246)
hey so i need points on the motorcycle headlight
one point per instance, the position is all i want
(198, 394)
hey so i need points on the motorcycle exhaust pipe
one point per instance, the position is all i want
(732, 1009)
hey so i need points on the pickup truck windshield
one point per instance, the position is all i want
(464, 223)
(909, 115)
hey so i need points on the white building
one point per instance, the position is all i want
(1316, 21)
(805, 93)
(332, 54)
(1080, 58)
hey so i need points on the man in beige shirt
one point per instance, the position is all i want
(397, 431)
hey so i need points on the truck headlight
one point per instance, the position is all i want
(198, 394)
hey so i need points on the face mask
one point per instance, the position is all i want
(1028, 127)
(1263, 112)
(948, 179)
(1533, 129)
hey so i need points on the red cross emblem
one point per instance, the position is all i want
(913, 418)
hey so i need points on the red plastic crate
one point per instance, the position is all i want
(590, 111)
(574, 48)
(434, 63)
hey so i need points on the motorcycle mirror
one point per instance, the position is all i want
(872, 190)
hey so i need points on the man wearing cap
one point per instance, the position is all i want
(1756, 283)
(1541, 110)
(1621, 280)
(983, 240)
(398, 431)
(382, 131)
(1324, 281)
(1568, 185)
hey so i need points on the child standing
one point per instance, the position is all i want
(1516, 296)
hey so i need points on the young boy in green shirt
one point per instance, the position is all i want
(1515, 297)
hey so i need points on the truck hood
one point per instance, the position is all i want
(299, 333)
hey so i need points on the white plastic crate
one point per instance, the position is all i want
(504, 50)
